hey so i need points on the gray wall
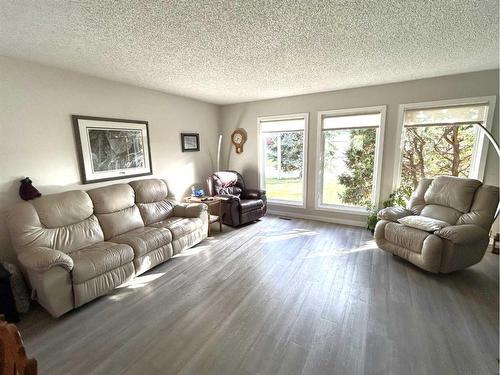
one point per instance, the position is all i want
(245, 115)
(36, 133)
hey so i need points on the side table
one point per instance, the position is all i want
(214, 209)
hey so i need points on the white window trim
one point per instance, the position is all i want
(280, 202)
(477, 170)
(377, 168)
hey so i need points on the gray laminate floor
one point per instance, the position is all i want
(280, 297)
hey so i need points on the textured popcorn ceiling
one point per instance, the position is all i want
(234, 51)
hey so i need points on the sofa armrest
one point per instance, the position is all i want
(462, 234)
(393, 213)
(42, 259)
(191, 210)
(253, 194)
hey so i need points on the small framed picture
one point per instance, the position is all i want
(190, 142)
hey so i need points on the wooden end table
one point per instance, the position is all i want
(214, 206)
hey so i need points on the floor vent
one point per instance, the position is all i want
(285, 218)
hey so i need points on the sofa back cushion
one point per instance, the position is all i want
(152, 199)
(453, 192)
(63, 221)
(115, 208)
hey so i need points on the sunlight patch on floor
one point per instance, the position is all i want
(369, 245)
(197, 249)
(274, 236)
(141, 281)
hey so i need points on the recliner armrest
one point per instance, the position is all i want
(191, 210)
(42, 259)
(393, 213)
(253, 194)
(461, 234)
(228, 198)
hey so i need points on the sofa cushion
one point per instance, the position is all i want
(143, 240)
(98, 259)
(57, 210)
(435, 211)
(149, 190)
(406, 237)
(423, 223)
(179, 226)
(116, 210)
(452, 191)
(155, 211)
(251, 204)
(112, 198)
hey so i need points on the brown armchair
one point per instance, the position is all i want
(239, 204)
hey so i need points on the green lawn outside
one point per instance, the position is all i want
(291, 190)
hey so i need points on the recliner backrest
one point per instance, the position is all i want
(228, 182)
(114, 206)
(455, 200)
(63, 221)
(153, 200)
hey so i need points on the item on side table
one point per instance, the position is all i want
(27, 191)
(239, 204)
(18, 287)
(13, 358)
(197, 191)
(7, 302)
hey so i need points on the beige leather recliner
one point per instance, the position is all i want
(78, 245)
(445, 227)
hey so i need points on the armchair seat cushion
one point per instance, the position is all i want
(406, 237)
(426, 224)
(251, 204)
(98, 259)
(180, 226)
(145, 239)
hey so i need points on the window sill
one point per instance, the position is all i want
(273, 202)
(344, 209)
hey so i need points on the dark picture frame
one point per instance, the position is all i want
(190, 142)
(111, 149)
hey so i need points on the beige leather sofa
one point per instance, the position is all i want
(446, 226)
(78, 245)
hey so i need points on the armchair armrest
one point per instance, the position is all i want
(42, 259)
(253, 194)
(228, 198)
(393, 213)
(191, 210)
(462, 234)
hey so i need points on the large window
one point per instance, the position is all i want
(282, 158)
(349, 158)
(431, 146)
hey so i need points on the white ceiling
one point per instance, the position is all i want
(235, 51)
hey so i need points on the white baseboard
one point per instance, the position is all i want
(334, 220)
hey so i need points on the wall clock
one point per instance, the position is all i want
(239, 137)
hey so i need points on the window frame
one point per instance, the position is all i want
(481, 142)
(377, 167)
(260, 164)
